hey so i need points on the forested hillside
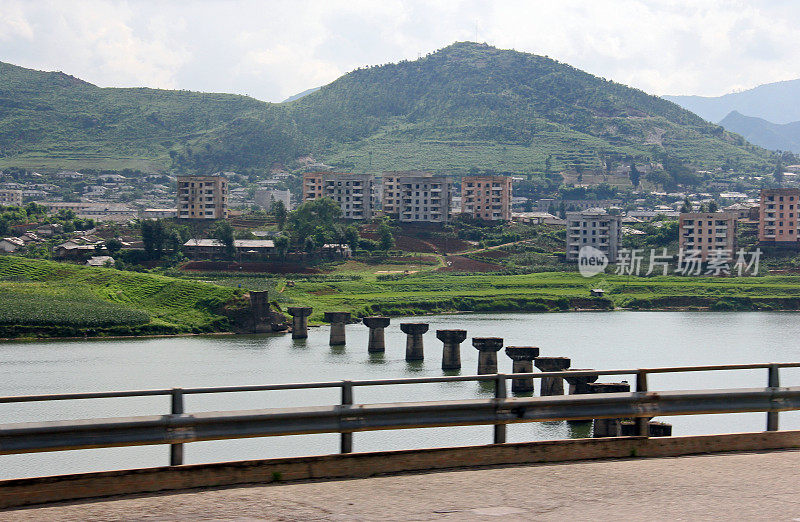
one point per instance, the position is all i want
(466, 106)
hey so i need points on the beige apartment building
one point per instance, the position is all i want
(705, 232)
(10, 198)
(777, 217)
(486, 197)
(423, 198)
(202, 197)
(312, 185)
(353, 192)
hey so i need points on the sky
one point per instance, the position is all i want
(272, 49)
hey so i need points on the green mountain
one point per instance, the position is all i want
(465, 106)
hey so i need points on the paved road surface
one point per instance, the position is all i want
(742, 486)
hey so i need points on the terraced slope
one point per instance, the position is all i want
(47, 298)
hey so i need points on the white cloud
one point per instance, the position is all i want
(273, 49)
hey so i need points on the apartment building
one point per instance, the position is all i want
(353, 192)
(596, 228)
(265, 198)
(777, 216)
(705, 232)
(423, 198)
(390, 195)
(10, 198)
(486, 197)
(202, 197)
(312, 185)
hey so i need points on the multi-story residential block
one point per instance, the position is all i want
(596, 228)
(706, 232)
(390, 195)
(265, 198)
(10, 198)
(353, 192)
(777, 223)
(312, 185)
(552, 205)
(486, 197)
(202, 197)
(423, 198)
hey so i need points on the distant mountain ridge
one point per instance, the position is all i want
(777, 102)
(785, 137)
(465, 106)
(301, 94)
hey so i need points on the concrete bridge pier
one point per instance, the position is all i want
(522, 362)
(414, 347)
(338, 321)
(608, 427)
(299, 320)
(552, 385)
(579, 385)
(376, 324)
(451, 353)
(487, 356)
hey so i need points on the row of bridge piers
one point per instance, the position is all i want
(523, 358)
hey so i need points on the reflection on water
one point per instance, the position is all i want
(591, 340)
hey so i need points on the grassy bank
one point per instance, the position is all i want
(42, 298)
(553, 291)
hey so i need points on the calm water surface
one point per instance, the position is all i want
(591, 340)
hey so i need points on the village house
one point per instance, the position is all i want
(215, 249)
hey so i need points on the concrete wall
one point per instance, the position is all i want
(21, 492)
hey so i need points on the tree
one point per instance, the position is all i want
(305, 219)
(634, 175)
(778, 172)
(282, 245)
(152, 237)
(279, 212)
(113, 245)
(351, 237)
(224, 232)
(712, 206)
(385, 237)
(687, 206)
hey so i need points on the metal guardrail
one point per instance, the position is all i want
(177, 427)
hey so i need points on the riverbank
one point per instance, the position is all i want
(59, 300)
(436, 293)
(42, 299)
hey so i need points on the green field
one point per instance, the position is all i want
(42, 298)
(554, 291)
(47, 298)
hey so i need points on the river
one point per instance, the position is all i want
(601, 340)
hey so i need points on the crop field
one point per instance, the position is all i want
(436, 292)
(47, 310)
(78, 297)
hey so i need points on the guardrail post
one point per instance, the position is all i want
(642, 423)
(346, 439)
(500, 392)
(176, 450)
(773, 381)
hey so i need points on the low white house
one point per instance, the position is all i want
(11, 244)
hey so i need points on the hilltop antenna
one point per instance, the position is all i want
(476, 31)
